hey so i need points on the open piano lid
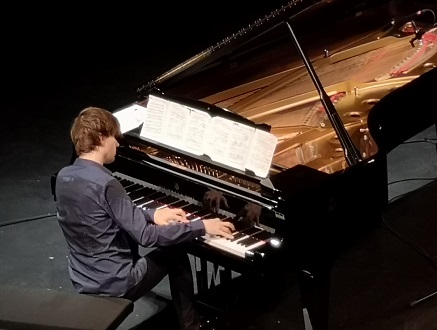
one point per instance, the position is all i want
(361, 51)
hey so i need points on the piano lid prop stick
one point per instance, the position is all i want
(351, 153)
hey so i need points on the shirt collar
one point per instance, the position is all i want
(87, 162)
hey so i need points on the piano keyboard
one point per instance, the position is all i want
(246, 241)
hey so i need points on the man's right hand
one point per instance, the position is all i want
(217, 227)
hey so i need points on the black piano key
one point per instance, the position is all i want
(199, 215)
(194, 216)
(160, 202)
(154, 205)
(191, 217)
(157, 195)
(217, 215)
(251, 230)
(191, 208)
(126, 183)
(263, 235)
(149, 198)
(133, 187)
(202, 213)
(143, 199)
(141, 193)
(237, 235)
(172, 199)
(164, 199)
(179, 204)
(248, 241)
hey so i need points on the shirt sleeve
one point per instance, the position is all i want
(138, 223)
(149, 215)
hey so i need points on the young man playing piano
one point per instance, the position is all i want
(99, 220)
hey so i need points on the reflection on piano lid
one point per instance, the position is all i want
(196, 168)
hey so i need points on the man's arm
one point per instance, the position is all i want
(133, 219)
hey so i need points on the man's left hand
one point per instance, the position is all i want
(168, 215)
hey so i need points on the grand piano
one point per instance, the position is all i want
(339, 84)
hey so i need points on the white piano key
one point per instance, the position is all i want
(231, 246)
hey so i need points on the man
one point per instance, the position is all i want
(98, 219)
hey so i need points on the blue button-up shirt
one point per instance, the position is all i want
(96, 215)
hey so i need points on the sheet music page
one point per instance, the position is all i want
(175, 125)
(228, 142)
(261, 153)
(225, 141)
(130, 117)
(196, 130)
(154, 118)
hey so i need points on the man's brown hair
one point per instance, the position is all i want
(90, 126)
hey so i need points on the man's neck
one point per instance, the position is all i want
(93, 156)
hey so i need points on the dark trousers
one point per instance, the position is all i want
(171, 261)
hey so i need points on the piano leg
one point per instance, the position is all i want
(201, 265)
(225, 276)
(315, 289)
(216, 299)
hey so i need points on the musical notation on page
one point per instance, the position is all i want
(196, 131)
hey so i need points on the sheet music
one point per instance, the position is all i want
(261, 153)
(175, 121)
(196, 131)
(228, 142)
(154, 118)
(225, 141)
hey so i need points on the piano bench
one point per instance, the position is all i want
(24, 308)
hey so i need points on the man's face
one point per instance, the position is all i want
(109, 149)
